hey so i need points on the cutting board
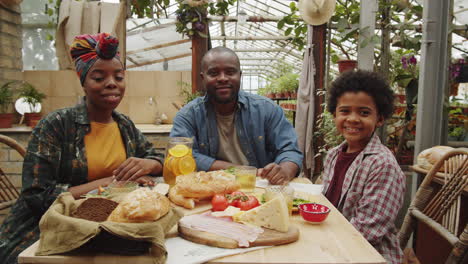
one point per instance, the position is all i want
(267, 238)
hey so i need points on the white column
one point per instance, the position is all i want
(366, 31)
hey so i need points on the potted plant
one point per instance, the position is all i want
(347, 65)
(186, 92)
(290, 83)
(33, 97)
(6, 100)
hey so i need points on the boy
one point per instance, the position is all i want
(362, 178)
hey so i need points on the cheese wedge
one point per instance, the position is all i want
(272, 214)
(229, 211)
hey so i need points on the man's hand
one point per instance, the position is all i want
(133, 168)
(279, 173)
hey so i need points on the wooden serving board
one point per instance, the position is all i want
(267, 238)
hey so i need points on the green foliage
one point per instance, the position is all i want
(31, 94)
(288, 82)
(458, 121)
(283, 79)
(401, 74)
(6, 97)
(262, 91)
(294, 27)
(327, 132)
(191, 15)
(346, 18)
(186, 92)
(457, 132)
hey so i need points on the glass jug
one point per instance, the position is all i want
(179, 159)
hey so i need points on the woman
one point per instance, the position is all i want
(80, 148)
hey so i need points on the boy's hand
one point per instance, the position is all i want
(278, 173)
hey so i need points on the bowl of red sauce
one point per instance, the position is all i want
(314, 212)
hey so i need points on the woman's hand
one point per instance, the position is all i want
(145, 180)
(133, 168)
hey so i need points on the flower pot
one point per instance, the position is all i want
(287, 94)
(6, 120)
(346, 65)
(32, 119)
(401, 98)
(270, 95)
(294, 95)
(399, 110)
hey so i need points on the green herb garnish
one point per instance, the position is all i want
(231, 170)
(298, 201)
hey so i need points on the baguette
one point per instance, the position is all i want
(180, 200)
(202, 185)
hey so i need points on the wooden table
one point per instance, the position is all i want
(333, 241)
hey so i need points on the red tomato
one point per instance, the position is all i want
(219, 202)
(237, 193)
(249, 203)
(234, 202)
(234, 198)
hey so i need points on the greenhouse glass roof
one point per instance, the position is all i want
(261, 46)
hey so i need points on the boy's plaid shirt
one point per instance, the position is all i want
(372, 195)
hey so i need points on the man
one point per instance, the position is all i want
(230, 127)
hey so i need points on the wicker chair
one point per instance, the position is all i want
(439, 208)
(8, 192)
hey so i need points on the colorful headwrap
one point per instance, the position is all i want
(86, 49)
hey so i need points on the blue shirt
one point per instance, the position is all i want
(264, 133)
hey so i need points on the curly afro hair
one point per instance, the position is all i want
(369, 82)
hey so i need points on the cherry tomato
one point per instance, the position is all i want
(249, 203)
(219, 202)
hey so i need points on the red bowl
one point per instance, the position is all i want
(314, 212)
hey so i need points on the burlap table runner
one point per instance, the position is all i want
(62, 233)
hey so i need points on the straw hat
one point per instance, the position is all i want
(316, 12)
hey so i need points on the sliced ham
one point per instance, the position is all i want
(222, 226)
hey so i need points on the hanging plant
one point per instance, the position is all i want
(294, 27)
(192, 15)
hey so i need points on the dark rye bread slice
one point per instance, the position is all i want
(98, 210)
(95, 209)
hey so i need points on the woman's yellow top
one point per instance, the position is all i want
(105, 150)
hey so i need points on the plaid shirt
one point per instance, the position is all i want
(372, 194)
(56, 160)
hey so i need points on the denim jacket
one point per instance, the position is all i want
(264, 133)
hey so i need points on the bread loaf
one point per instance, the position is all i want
(141, 205)
(201, 185)
(428, 157)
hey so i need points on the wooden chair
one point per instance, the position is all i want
(436, 208)
(8, 192)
